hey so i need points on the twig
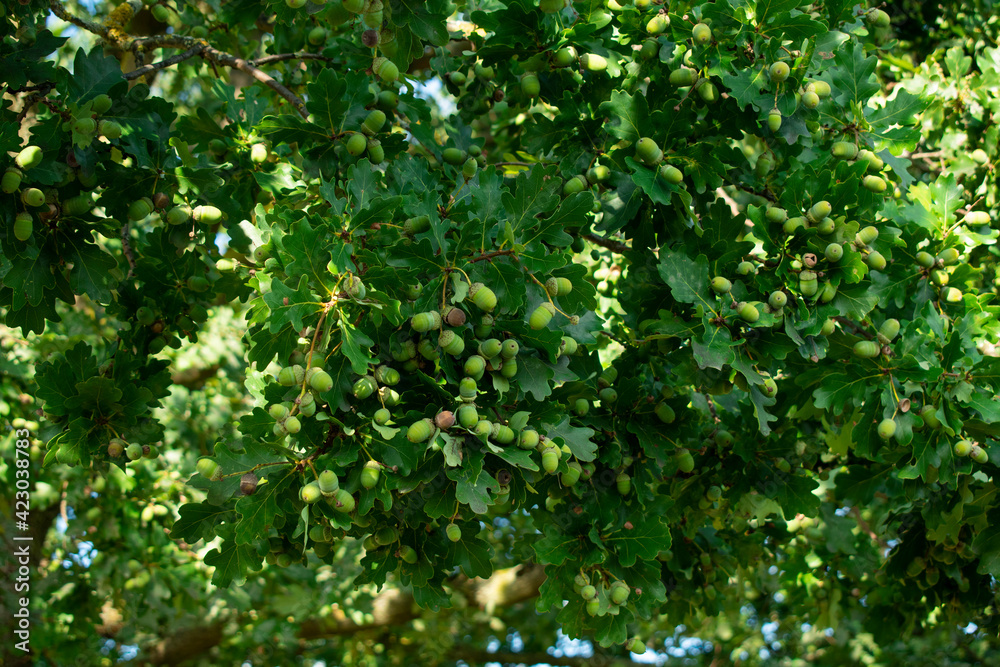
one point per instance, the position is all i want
(60, 11)
(242, 65)
(175, 41)
(614, 246)
(863, 525)
(173, 60)
(491, 255)
(278, 57)
(127, 249)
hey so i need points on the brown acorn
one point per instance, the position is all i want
(248, 484)
(445, 419)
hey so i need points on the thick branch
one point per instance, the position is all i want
(199, 47)
(173, 60)
(614, 246)
(278, 57)
(394, 607)
(232, 61)
(475, 656)
(195, 378)
(60, 11)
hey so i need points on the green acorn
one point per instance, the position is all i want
(370, 473)
(320, 380)
(701, 34)
(140, 208)
(683, 77)
(310, 493)
(357, 144)
(23, 226)
(328, 482)
(684, 460)
(451, 343)
(774, 120)
(648, 152)
(572, 474)
(867, 349)
(467, 389)
(291, 376)
(873, 184)
(29, 157)
(528, 439)
(550, 459)
(381, 416)
(875, 260)
(502, 434)
(420, 431)
(574, 185)
(474, 366)
(820, 210)
(454, 532)
(343, 501)
(664, 413)
(483, 297)
(387, 375)
(886, 429)
(11, 180)
(426, 321)
(509, 349)
(568, 346)
(623, 482)
(509, 368)
(468, 417)
(777, 299)
(593, 62)
(206, 215)
(671, 174)
(834, 252)
(748, 312)
(845, 150)
(888, 331)
(207, 468)
(364, 387)
(385, 69)
(530, 85)
(373, 122)
(541, 316)
(408, 554)
(779, 71)
(867, 235)
(775, 214)
(636, 645)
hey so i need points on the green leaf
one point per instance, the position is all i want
(197, 521)
(686, 277)
(641, 542)
(853, 77)
(578, 439)
(232, 563)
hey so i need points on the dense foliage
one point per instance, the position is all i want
(380, 332)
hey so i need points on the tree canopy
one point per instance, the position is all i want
(375, 332)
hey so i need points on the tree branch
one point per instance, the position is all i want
(60, 11)
(395, 607)
(193, 46)
(173, 60)
(475, 656)
(278, 57)
(614, 246)
(232, 61)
